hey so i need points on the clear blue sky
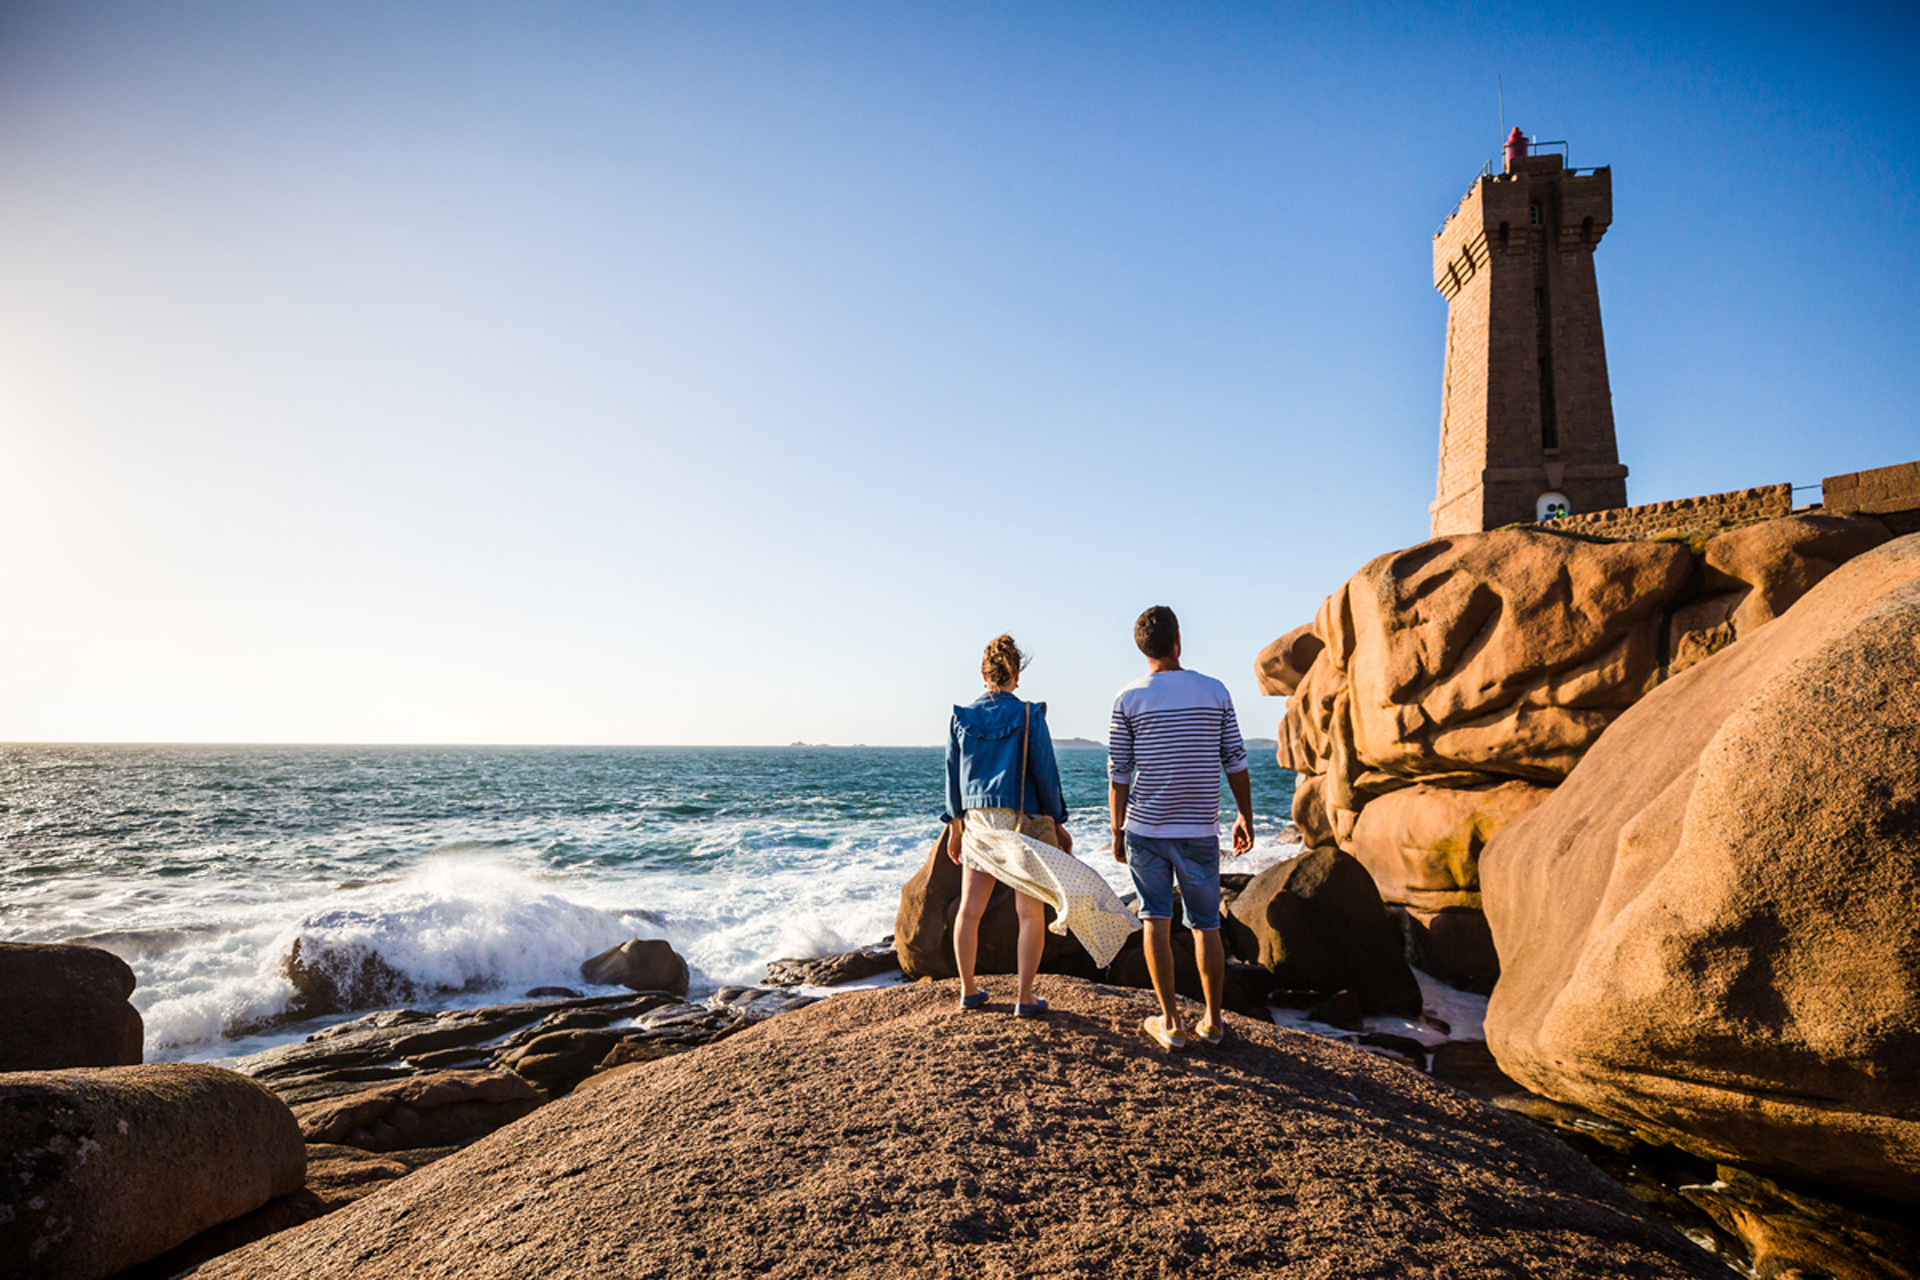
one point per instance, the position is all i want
(731, 373)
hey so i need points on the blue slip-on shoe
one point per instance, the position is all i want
(975, 1000)
(1034, 1010)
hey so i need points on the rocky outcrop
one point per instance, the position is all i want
(639, 964)
(923, 927)
(1422, 844)
(401, 1044)
(101, 1169)
(1282, 664)
(1317, 924)
(1709, 931)
(442, 1108)
(887, 1133)
(66, 1006)
(1753, 575)
(1461, 679)
(831, 971)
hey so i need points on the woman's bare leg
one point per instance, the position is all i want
(1033, 939)
(976, 887)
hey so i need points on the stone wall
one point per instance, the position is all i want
(1892, 493)
(1711, 513)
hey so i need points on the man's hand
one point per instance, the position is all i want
(953, 840)
(1066, 837)
(1117, 794)
(1242, 787)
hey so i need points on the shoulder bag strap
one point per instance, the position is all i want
(1025, 728)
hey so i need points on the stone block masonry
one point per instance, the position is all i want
(1710, 513)
(1892, 493)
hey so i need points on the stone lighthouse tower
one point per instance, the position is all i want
(1526, 416)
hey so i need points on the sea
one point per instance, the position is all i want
(477, 873)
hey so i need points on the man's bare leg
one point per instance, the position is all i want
(1159, 948)
(1212, 960)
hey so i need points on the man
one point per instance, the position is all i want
(1172, 733)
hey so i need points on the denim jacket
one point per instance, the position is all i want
(983, 758)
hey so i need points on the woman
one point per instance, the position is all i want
(1008, 819)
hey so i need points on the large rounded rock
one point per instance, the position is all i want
(1317, 923)
(923, 926)
(102, 1169)
(431, 1110)
(1282, 664)
(1711, 931)
(1773, 564)
(1502, 653)
(66, 1006)
(639, 964)
(1753, 575)
(886, 1133)
(1422, 844)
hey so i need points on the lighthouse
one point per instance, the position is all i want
(1526, 413)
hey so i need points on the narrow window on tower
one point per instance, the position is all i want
(1586, 230)
(1533, 212)
(1503, 235)
(1539, 299)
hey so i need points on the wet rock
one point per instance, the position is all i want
(1468, 1065)
(1455, 945)
(831, 971)
(1342, 1009)
(104, 1168)
(758, 1002)
(1707, 933)
(879, 1137)
(66, 1006)
(1406, 1046)
(553, 993)
(1785, 1233)
(420, 1111)
(640, 964)
(559, 1060)
(400, 1043)
(337, 979)
(1317, 923)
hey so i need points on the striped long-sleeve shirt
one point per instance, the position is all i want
(1172, 735)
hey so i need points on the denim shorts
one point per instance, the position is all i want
(1156, 862)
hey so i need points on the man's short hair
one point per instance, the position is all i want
(1157, 632)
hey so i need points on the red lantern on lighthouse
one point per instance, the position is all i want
(1516, 147)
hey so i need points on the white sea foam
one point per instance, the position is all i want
(474, 926)
(474, 875)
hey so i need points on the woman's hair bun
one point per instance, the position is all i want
(1003, 658)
